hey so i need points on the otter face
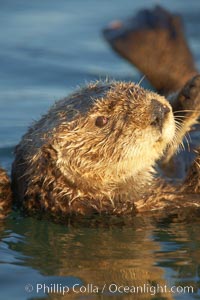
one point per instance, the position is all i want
(123, 133)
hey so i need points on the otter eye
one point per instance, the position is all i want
(101, 121)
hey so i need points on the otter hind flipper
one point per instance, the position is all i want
(154, 41)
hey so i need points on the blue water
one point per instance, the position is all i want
(47, 48)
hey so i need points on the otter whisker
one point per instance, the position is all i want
(181, 117)
(177, 142)
(178, 122)
(141, 80)
(187, 142)
(178, 125)
(186, 110)
(189, 136)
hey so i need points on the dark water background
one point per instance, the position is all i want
(47, 48)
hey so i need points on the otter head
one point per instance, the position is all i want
(121, 135)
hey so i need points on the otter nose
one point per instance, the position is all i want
(159, 112)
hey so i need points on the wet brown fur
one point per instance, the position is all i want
(5, 194)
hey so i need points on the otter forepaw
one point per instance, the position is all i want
(189, 97)
(186, 107)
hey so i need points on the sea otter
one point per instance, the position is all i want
(95, 152)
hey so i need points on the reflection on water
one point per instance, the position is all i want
(47, 48)
(42, 252)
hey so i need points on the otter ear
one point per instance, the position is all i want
(101, 121)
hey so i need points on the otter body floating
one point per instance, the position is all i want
(95, 152)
